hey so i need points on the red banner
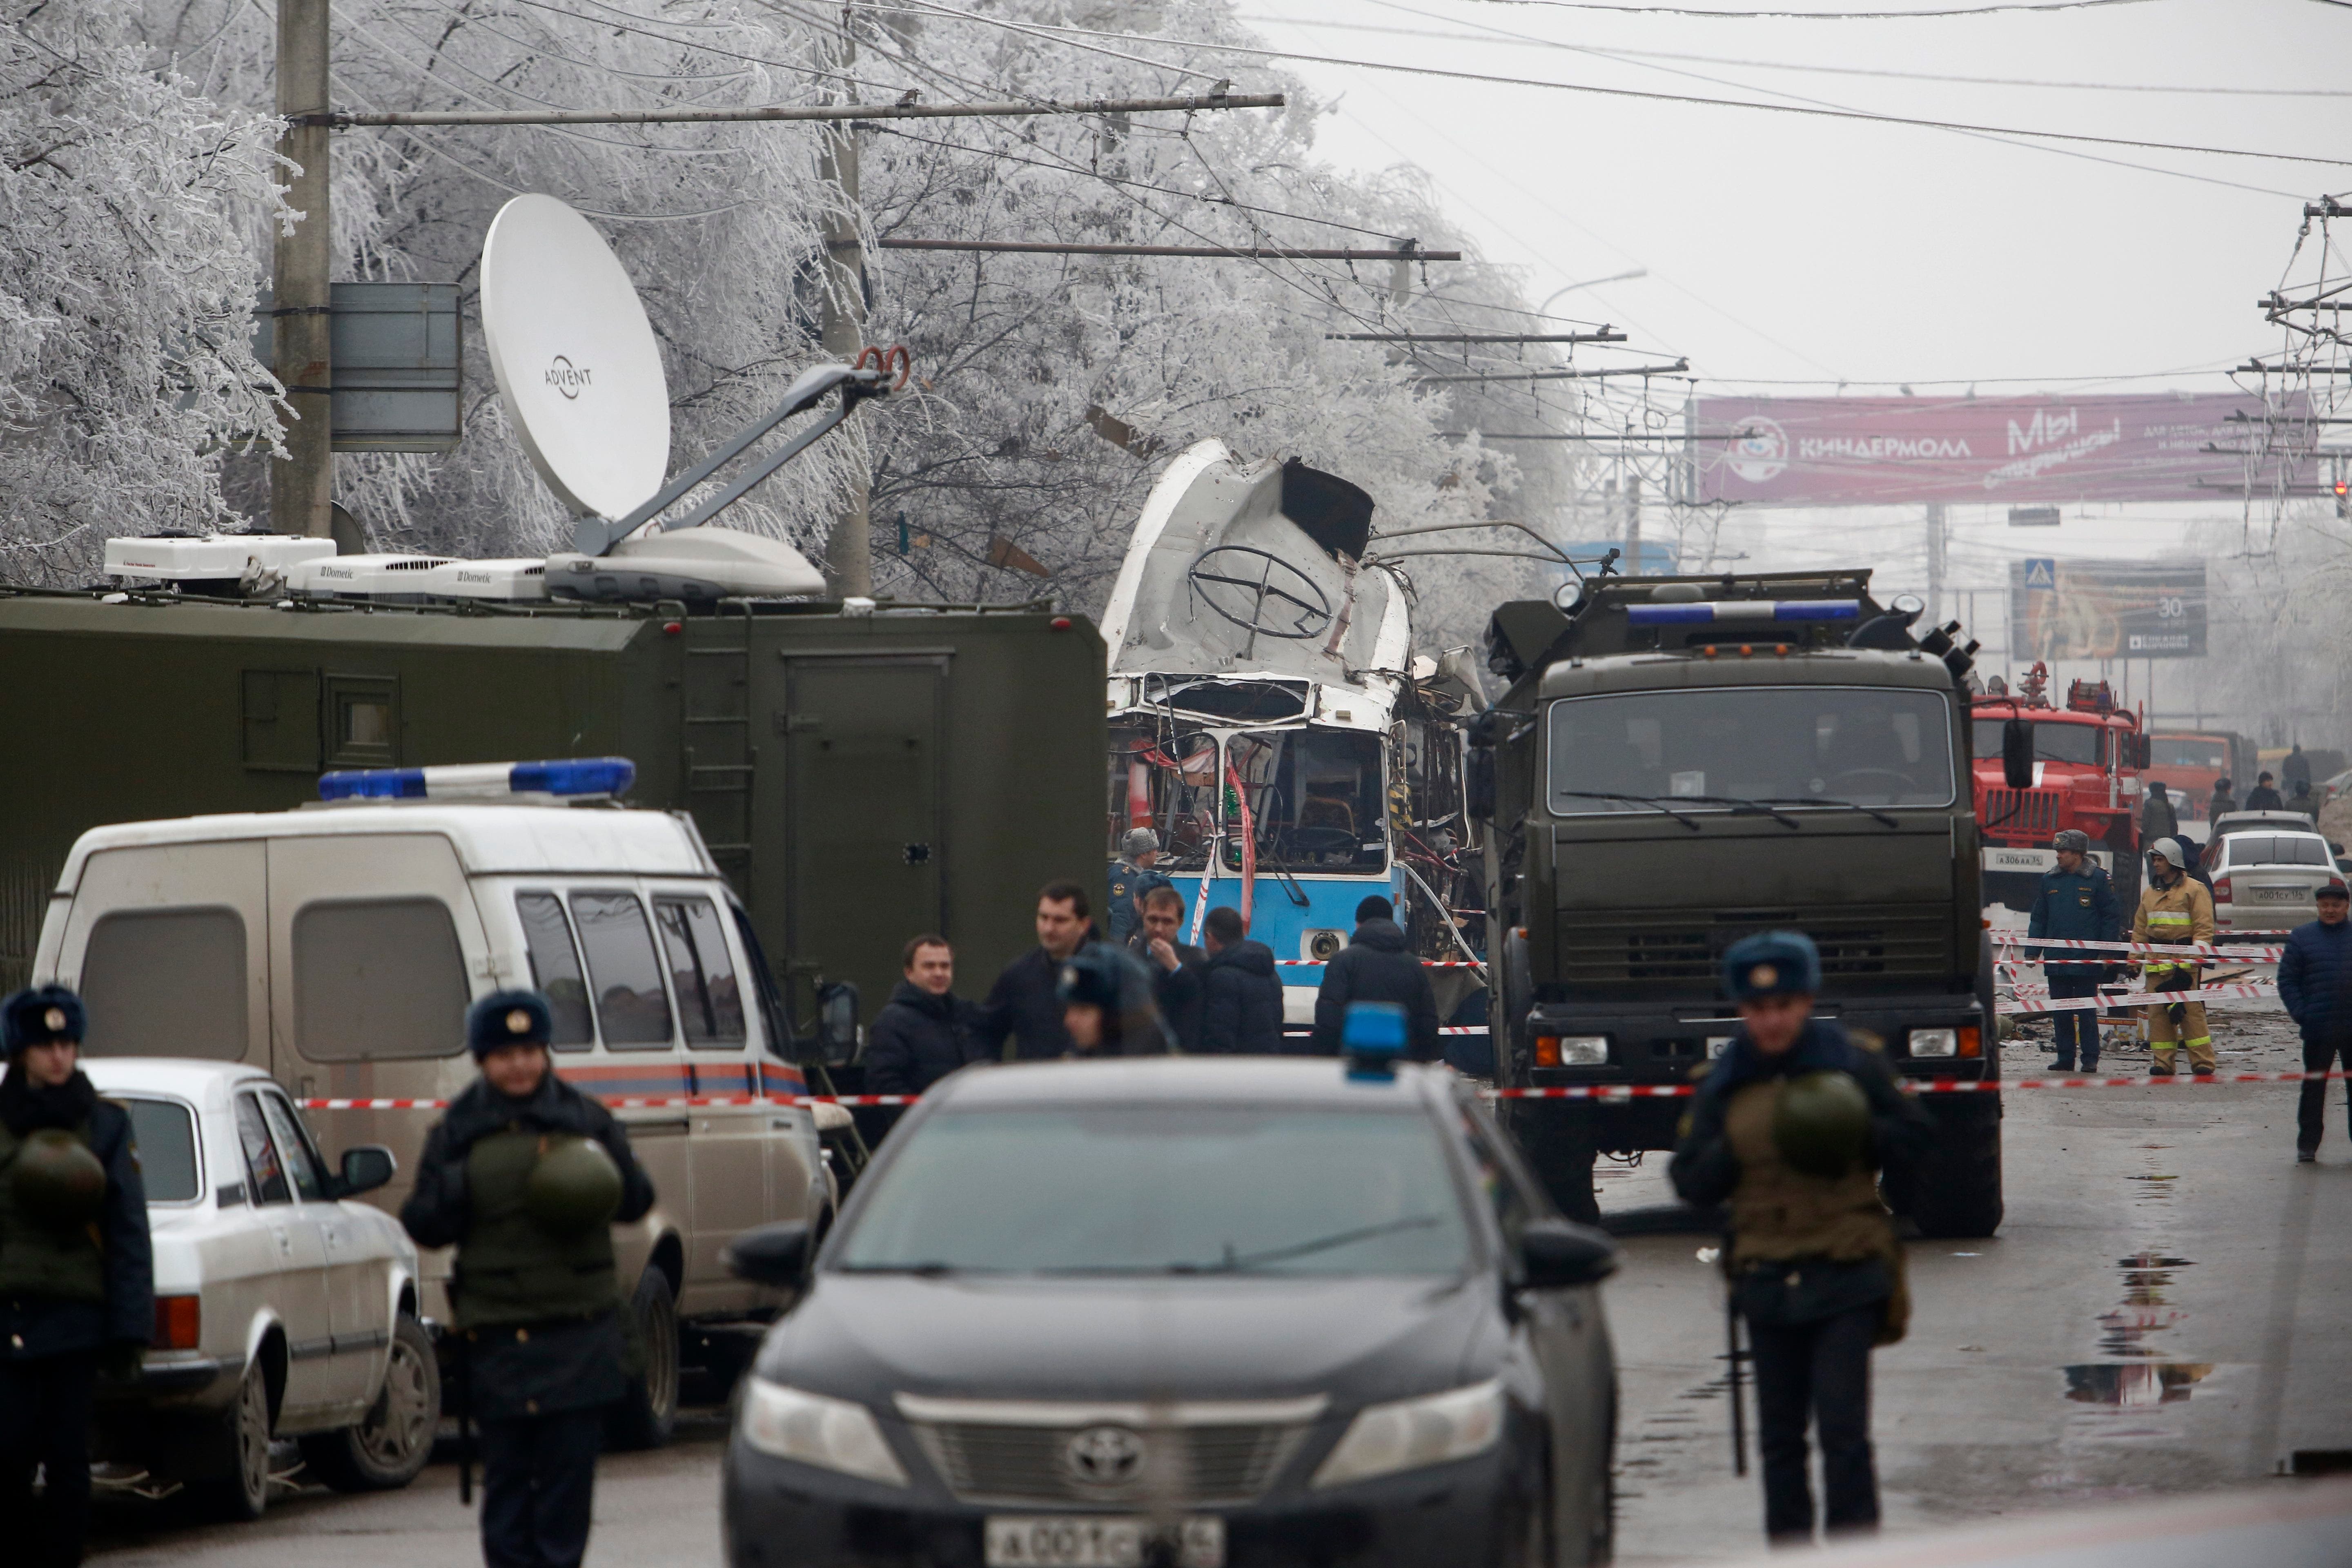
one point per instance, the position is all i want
(1872, 451)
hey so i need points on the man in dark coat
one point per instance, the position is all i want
(2262, 797)
(77, 1276)
(2303, 801)
(1241, 1013)
(2157, 817)
(535, 1295)
(2076, 902)
(1814, 1265)
(2295, 771)
(1024, 1005)
(925, 1031)
(1176, 967)
(2314, 981)
(1133, 878)
(2222, 802)
(1377, 965)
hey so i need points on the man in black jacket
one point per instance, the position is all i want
(925, 1031)
(1176, 967)
(2314, 981)
(1377, 965)
(534, 1294)
(2262, 797)
(1024, 1005)
(1240, 1012)
(76, 1269)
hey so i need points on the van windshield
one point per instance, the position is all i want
(1874, 746)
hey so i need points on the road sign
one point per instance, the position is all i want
(397, 365)
(2041, 574)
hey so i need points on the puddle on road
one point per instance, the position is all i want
(2138, 1379)
(2134, 1385)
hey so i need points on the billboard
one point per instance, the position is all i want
(1874, 451)
(2105, 609)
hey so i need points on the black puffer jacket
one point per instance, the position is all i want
(1378, 965)
(1241, 1013)
(918, 1039)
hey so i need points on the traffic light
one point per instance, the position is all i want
(2343, 498)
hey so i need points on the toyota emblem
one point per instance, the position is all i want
(1104, 1456)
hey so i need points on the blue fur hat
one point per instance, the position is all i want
(1772, 964)
(507, 1018)
(40, 1016)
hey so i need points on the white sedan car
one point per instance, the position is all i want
(283, 1308)
(2268, 878)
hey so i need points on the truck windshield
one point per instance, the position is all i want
(1865, 745)
(2187, 751)
(2077, 744)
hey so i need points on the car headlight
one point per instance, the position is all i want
(1935, 1042)
(1413, 1433)
(831, 1434)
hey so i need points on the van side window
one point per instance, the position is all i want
(260, 1157)
(709, 1002)
(166, 982)
(377, 979)
(555, 968)
(630, 1002)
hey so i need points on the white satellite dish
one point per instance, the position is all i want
(575, 358)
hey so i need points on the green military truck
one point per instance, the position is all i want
(1681, 761)
(862, 773)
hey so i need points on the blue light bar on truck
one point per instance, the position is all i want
(573, 778)
(1744, 610)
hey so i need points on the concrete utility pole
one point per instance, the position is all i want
(302, 485)
(1634, 525)
(1936, 537)
(842, 331)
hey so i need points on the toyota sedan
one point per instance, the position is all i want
(1215, 1314)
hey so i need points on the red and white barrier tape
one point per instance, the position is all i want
(2134, 999)
(1425, 963)
(2154, 950)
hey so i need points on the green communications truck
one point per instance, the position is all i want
(862, 771)
(1681, 761)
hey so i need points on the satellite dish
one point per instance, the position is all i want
(574, 357)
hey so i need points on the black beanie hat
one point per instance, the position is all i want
(507, 1018)
(40, 1016)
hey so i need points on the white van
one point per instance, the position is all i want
(337, 947)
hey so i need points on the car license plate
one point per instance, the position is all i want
(2279, 894)
(1096, 1540)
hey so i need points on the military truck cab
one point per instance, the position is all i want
(338, 946)
(1681, 761)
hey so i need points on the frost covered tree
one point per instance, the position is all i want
(128, 207)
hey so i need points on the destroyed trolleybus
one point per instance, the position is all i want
(1680, 762)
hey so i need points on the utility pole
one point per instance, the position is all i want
(1633, 524)
(840, 329)
(1935, 541)
(302, 483)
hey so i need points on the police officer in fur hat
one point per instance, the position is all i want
(526, 1176)
(77, 1271)
(1790, 1129)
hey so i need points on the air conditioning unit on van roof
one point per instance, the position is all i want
(418, 579)
(181, 558)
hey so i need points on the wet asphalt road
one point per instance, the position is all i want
(2162, 1312)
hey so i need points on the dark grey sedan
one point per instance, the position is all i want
(1207, 1314)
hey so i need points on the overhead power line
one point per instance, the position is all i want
(1992, 10)
(1243, 252)
(1677, 368)
(924, 8)
(1605, 335)
(1192, 103)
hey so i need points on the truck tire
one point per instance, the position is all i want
(648, 1411)
(1557, 1139)
(1956, 1192)
(389, 1446)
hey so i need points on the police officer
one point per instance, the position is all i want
(1106, 1004)
(2174, 907)
(1132, 879)
(526, 1176)
(77, 1271)
(2076, 902)
(1787, 1128)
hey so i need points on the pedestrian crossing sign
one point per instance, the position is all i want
(2041, 571)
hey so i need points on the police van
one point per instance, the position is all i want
(338, 945)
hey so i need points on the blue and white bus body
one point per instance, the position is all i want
(1251, 647)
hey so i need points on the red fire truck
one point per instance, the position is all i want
(2088, 757)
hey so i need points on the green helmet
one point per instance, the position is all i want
(57, 1182)
(1822, 1126)
(573, 1187)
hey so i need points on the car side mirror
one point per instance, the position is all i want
(775, 1255)
(1557, 1254)
(836, 1023)
(366, 1167)
(2017, 754)
(2143, 751)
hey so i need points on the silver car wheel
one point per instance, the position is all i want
(399, 1424)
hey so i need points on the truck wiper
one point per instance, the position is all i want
(1832, 800)
(1755, 807)
(1649, 799)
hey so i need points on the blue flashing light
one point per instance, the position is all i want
(576, 777)
(373, 783)
(1744, 610)
(1371, 1039)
